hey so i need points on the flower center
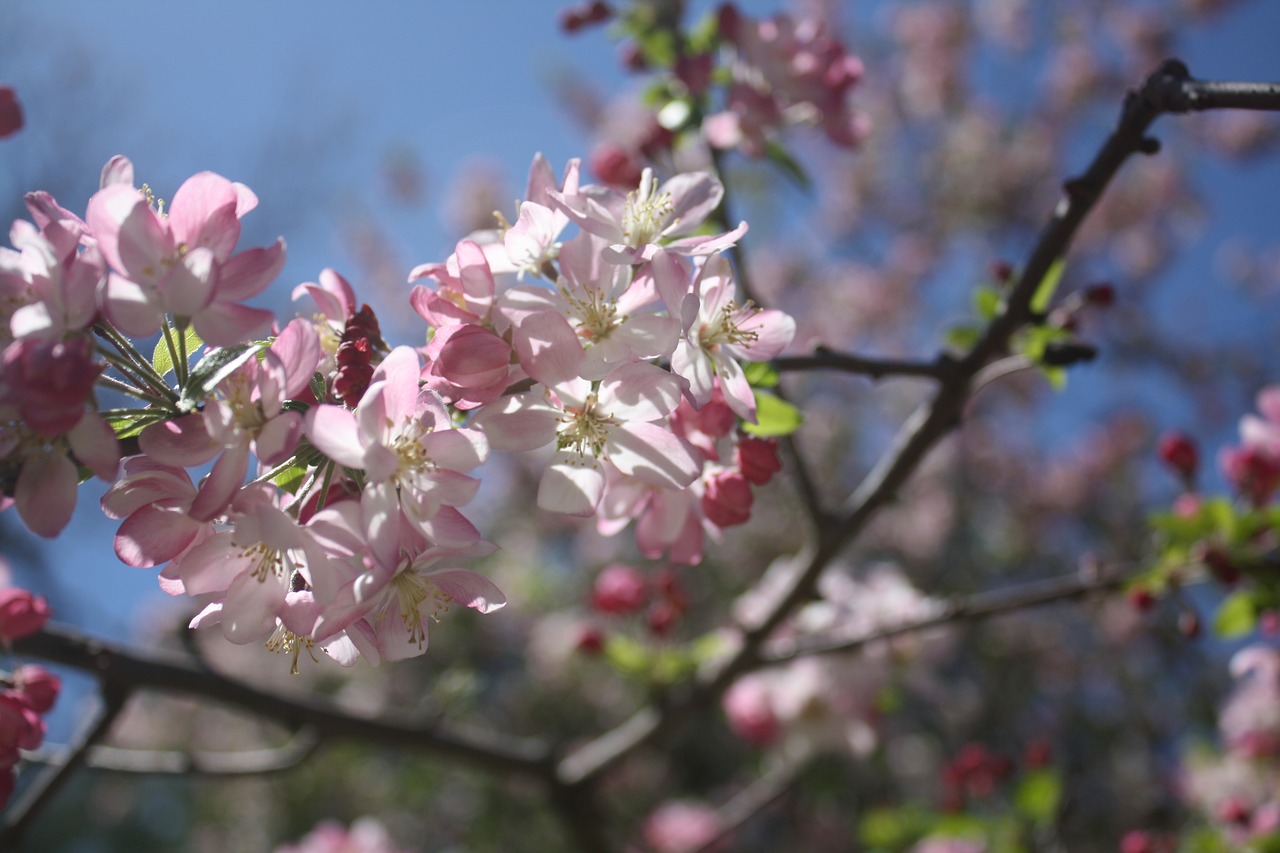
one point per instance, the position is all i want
(265, 561)
(284, 642)
(726, 326)
(413, 593)
(584, 430)
(647, 212)
(597, 315)
(407, 446)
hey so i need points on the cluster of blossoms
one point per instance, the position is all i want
(339, 466)
(784, 72)
(28, 691)
(828, 702)
(365, 835)
(1239, 789)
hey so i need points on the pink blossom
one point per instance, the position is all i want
(37, 687)
(682, 826)
(619, 589)
(152, 499)
(10, 112)
(402, 438)
(183, 263)
(723, 334)
(668, 520)
(49, 382)
(727, 499)
(366, 835)
(750, 711)
(467, 365)
(21, 613)
(618, 422)
(757, 458)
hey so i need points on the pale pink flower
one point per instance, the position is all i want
(404, 441)
(668, 521)
(366, 835)
(152, 499)
(620, 421)
(464, 291)
(183, 263)
(724, 333)
(682, 826)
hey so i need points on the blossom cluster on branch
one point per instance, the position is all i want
(619, 349)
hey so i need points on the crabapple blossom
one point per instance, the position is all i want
(21, 613)
(618, 422)
(403, 440)
(724, 333)
(182, 262)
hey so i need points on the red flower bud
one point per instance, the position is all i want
(38, 688)
(1178, 451)
(10, 112)
(727, 500)
(757, 458)
(590, 641)
(619, 589)
(615, 165)
(21, 613)
(1100, 295)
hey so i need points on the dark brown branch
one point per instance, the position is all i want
(149, 670)
(980, 605)
(876, 368)
(55, 776)
(168, 762)
(1168, 89)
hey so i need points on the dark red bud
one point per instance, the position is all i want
(1178, 451)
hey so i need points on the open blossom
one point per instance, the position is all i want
(619, 421)
(183, 262)
(403, 440)
(724, 333)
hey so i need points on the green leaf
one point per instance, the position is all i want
(1048, 286)
(961, 339)
(1237, 615)
(627, 656)
(760, 374)
(987, 301)
(1038, 795)
(1057, 377)
(290, 479)
(891, 829)
(216, 366)
(790, 167)
(774, 417)
(163, 362)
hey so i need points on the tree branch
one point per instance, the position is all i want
(876, 368)
(140, 669)
(51, 780)
(172, 762)
(1168, 89)
(980, 605)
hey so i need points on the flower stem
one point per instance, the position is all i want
(177, 351)
(146, 374)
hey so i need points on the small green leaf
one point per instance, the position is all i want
(1057, 377)
(987, 301)
(760, 374)
(290, 479)
(627, 656)
(160, 358)
(774, 417)
(1038, 795)
(319, 387)
(962, 338)
(1237, 615)
(216, 365)
(1048, 286)
(790, 167)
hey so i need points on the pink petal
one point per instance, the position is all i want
(248, 273)
(639, 391)
(456, 449)
(203, 214)
(251, 606)
(653, 454)
(278, 438)
(152, 536)
(129, 233)
(572, 485)
(548, 348)
(45, 493)
(132, 308)
(189, 285)
(182, 442)
(332, 429)
(94, 443)
(223, 324)
(469, 589)
(221, 485)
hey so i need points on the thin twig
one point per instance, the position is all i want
(151, 670)
(980, 605)
(876, 368)
(1168, 89)
(753, 799)
(25, 809)
(167, 762)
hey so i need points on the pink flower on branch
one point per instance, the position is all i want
(183, 262)
(621, 420)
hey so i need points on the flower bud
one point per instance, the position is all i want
(50, 382)
(38, 688)
(615, 165)
(21, 613)
(619, 589)
(1178, 451)
(1253, 472)
(10, 112)
(727, 500)
(757, 458)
